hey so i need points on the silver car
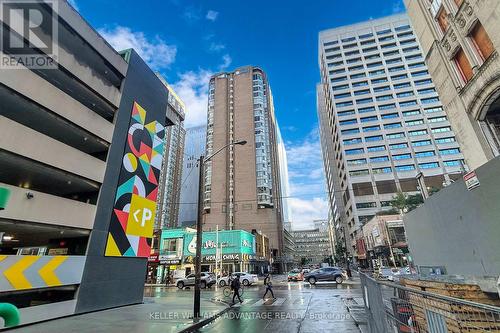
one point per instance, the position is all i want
(207, 280)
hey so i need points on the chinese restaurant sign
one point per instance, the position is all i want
(131, 226)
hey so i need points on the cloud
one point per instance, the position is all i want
(216, 47)
(307, 184)
(227, 60)
(192, 87)
(74, 5)
(191, 14)
(397, 6)
(156, 52)
(212, 15)
(305, 211)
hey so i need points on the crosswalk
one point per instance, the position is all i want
(248, 302)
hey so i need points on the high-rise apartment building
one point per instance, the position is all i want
(460, 43)
(242, 183)
(381, 120)
(169, 185)
(193, 149)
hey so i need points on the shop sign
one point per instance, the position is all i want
(58, 252)
(232, 241)
(153, 258)
(168, 257)
(471, 180)
(170, 262)
(225, 257)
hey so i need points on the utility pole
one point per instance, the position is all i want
(199, 227)
(199, 235)
(216, 257)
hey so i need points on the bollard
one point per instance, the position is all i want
(10, 314)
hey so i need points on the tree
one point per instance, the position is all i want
(339, 253)
(303, 261)
(392, 211)
(406, 203)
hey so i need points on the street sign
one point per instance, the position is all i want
(471, 180)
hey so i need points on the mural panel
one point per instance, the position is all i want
(131, 226)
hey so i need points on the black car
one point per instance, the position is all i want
(325, 274)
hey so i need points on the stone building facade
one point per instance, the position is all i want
(459, 39)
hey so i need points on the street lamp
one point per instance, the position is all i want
(199, 232)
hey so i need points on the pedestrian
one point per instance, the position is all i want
(269, 287)
(267, 279)
(235, 285)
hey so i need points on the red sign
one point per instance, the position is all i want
(153, 258)
(471, 180)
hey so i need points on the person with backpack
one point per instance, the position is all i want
(235, 285)
(269, 287)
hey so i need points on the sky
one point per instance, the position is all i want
(188, 41)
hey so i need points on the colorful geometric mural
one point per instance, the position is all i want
(131, 227)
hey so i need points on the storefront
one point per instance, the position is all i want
(235, 250)
(170, 256)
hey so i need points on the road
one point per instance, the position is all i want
(299, 307)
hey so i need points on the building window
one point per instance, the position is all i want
(463, 65)
(425, 153)
(362, 205)
(368, 119)
(401, 156)
(376, 148)
(368, 109)
(482, 41)
(398, 146)
(395, 135)
(449, 151)
(445, 140)
(405, 167)
(374, 138)
(382, 170)
(421, 143)
(429, 165)
(442, 19)
(393, 125)
(379, 159)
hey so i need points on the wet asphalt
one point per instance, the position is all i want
(298, 307)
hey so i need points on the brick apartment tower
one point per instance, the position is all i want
(242, 187)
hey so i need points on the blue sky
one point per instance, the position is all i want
(187, 41)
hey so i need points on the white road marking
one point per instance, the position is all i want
(279, 301)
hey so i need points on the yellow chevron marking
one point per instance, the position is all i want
(47, 271)
(14, 273)
(2, 257)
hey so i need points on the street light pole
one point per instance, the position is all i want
(199, 234)
(199, 227)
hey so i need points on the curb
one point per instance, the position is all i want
(206, 321)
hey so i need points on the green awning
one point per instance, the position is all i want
(4, 197)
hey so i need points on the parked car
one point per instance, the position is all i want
(245, 278)
(295, 275)
(388, 273)
(207, 280)
(326, 274)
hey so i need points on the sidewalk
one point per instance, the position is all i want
(154, 315)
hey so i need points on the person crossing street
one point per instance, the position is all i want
(235, 285)
(269, 286)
